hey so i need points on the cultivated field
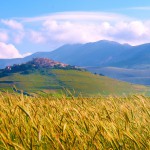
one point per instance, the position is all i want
(46, 123)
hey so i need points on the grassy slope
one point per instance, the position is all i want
(56, 80)
(86, 82)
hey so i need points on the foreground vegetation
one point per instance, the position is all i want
(74, 123)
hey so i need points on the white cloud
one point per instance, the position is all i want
(140, 8)
(26, 54)
(13, 24)
(132, 32)
(74, 32)
(8, 51)
(36, 37)
(82, 27)
(15, 30)
(77, 16)
(17, 37)
(137, 27)
(3, 36)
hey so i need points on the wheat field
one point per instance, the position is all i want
(50, 123)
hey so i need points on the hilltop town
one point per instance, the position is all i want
(38, 63)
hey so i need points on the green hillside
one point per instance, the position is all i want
(58, 80)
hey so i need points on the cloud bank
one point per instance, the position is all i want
(71, 27)
(82, 27)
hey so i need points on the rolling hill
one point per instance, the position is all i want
(33, 78)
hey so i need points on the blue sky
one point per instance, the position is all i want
(28, 26)
(27, 8)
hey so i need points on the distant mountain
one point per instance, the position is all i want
(99, 53)
(136, 57)
(44, 76)
(104, 54)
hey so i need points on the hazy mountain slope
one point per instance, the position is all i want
(90, 54)
(97, 54)
(136, 57)
(100, 53)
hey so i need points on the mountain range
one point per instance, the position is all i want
(97, 54)
(101, 54)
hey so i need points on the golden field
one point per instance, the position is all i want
(45, 123)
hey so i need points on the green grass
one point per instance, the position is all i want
(90, 84)
(55, 81)
(51, 123)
